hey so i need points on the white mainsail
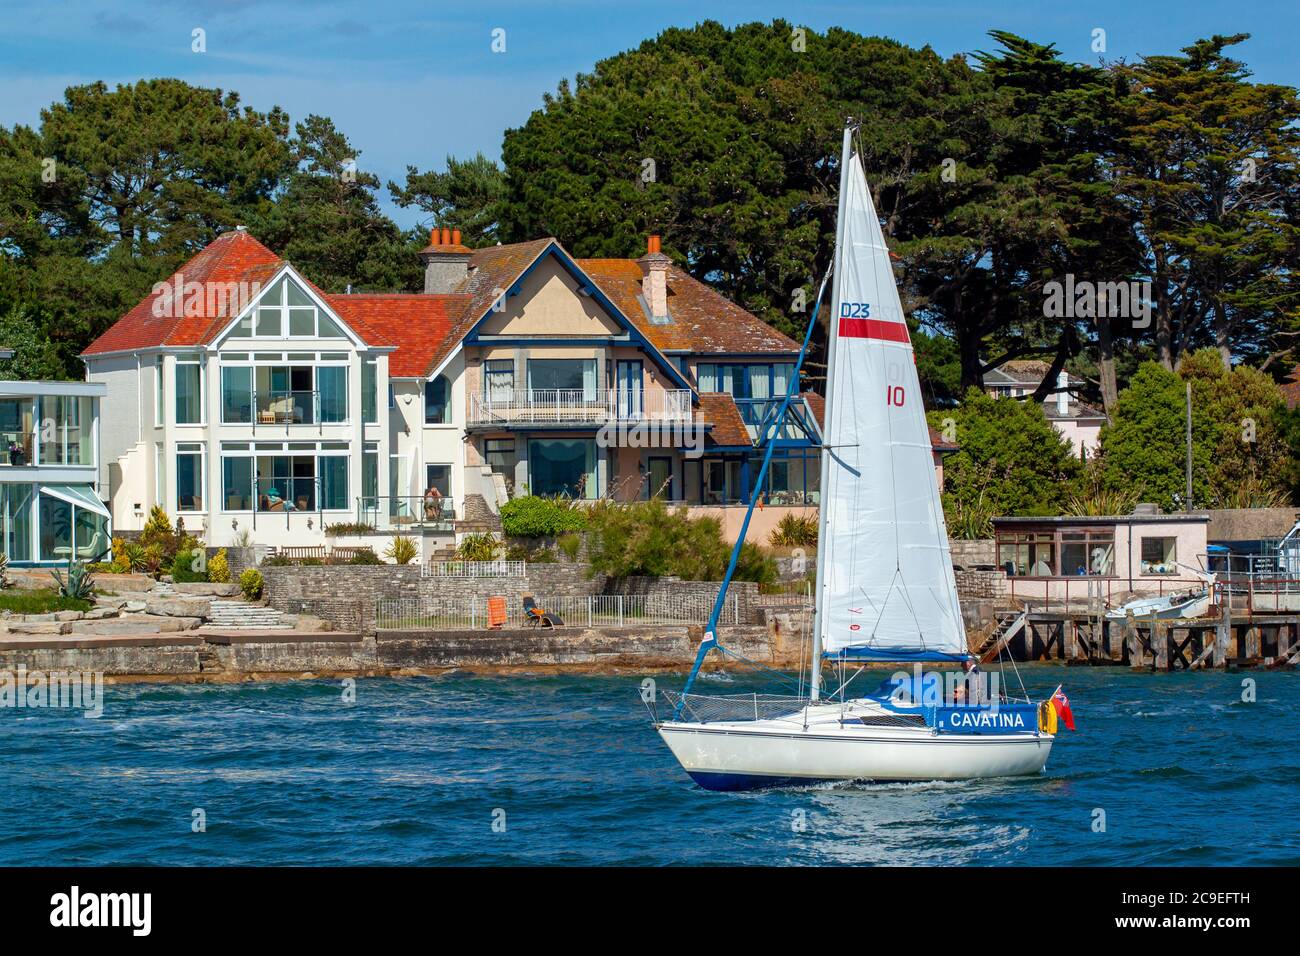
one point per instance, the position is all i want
(884, 575)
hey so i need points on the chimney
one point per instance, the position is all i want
(1062, 397)
(654, 280)
(446, 262)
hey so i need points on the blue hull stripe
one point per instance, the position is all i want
(712, 780)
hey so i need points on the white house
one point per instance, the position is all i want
(1077, 421)
(242, 398)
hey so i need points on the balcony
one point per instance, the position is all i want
(576, 406)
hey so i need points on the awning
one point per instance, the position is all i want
(79, 495)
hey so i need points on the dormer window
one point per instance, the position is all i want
(287, 311)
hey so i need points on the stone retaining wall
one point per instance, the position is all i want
(193, 657)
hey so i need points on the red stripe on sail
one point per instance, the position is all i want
(873, 329)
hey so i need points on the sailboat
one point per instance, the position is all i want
(885, 589)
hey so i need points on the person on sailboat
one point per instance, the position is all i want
(967, 689)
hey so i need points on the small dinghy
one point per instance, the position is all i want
(1180, 605)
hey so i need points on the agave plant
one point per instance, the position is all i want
(79, 583)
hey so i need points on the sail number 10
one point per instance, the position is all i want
(894, 395)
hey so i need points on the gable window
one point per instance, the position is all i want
(287, 311)
(437, 405)
(189, 390)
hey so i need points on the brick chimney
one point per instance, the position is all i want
(654, 280)
(446, 261)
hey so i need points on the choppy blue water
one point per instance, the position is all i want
(418, 769)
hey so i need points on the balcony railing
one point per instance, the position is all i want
(406, 512)
(562, 406)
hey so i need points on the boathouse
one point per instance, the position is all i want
(1069, 559)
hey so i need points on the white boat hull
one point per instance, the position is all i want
(1163, 608)
(746, 755)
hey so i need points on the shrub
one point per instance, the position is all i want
(648, 538)
(794, 531)
(401, 549)
(183, 567)
(543, 556)
(251, 583)
(535, 517)
(478, 547)
(219, 568)
(517, 552)
(365, 557)
(570, 544)
(344, 528)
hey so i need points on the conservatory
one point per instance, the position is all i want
(50, 510)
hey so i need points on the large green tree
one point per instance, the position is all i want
(1011, 461)
(468, 197)
(1207, 162)
(327, 222)
(1239, 450)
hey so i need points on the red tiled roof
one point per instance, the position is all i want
(701, 319)
(817, 405)
(719, 410)
(425, 329)
(418, 324)
(233, 257)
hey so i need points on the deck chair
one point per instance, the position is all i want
(539, 616)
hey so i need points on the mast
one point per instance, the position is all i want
(815, 670)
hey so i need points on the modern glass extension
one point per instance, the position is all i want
(44, 523)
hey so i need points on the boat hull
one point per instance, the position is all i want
(758, 754)
(1163, 609)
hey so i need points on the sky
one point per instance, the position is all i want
(410, 81)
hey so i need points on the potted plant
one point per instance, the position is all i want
(15, 453)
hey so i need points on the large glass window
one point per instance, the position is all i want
(189, 477)
(16, 518)
(334, 482)
(17, 427)
(562, 466)
(332, 381)
(237, 394)
(562, 377)
(65, 430)
(189, 392)
(437, 404)
(237, 482)
(286, 483)
(1062, 552)
(56, 529)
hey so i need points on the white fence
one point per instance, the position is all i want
(475, 569)
(574, 610)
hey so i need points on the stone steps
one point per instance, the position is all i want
(236, 615)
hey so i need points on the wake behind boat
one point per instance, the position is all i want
(885, 590)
